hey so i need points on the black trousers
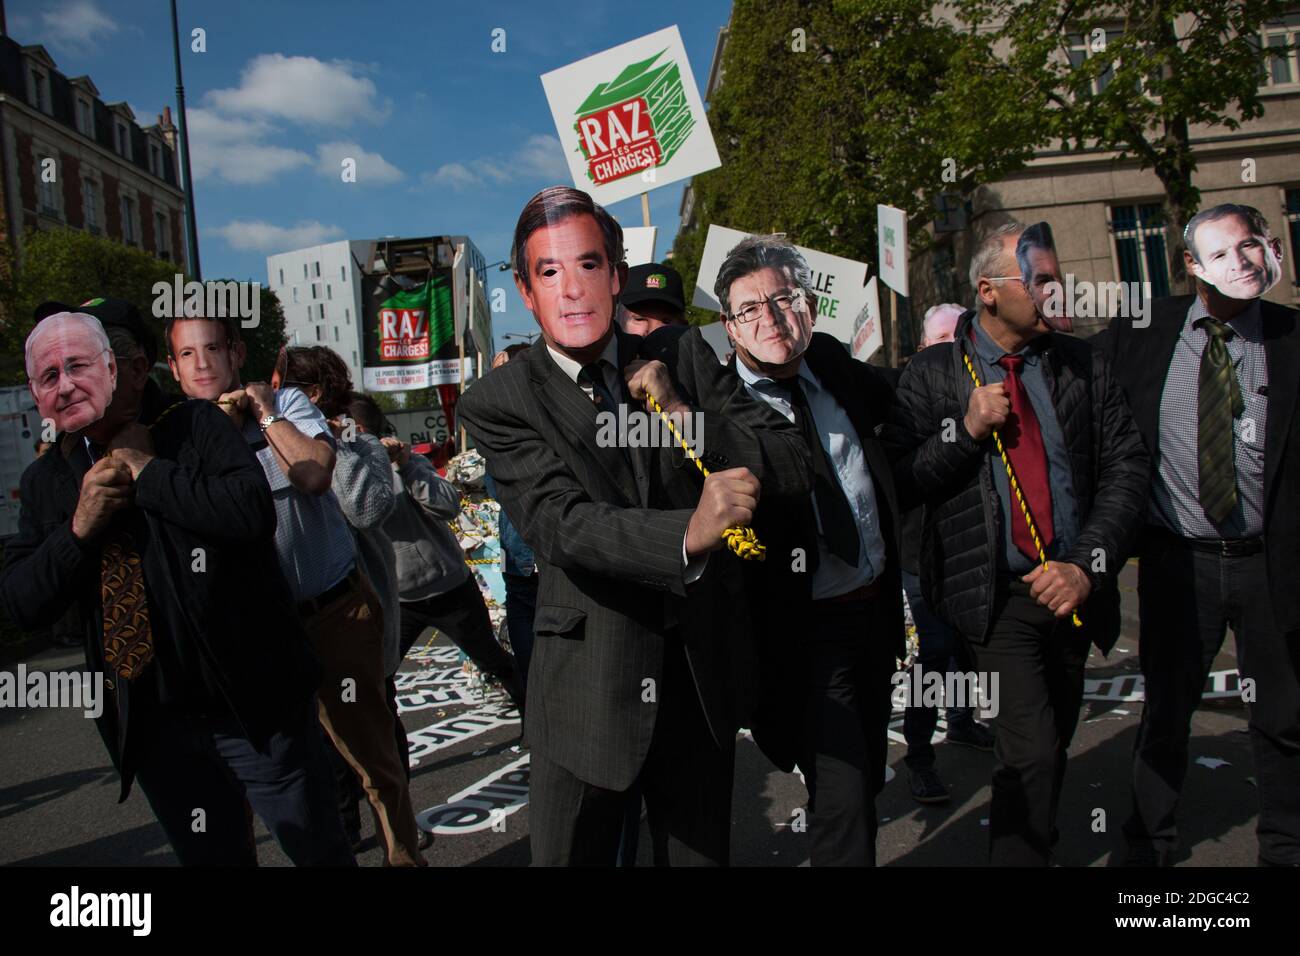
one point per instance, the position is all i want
(1188, 599)
(686, 782)
(189, 764)
(845, 729)
(1038, 662)
(463, 617)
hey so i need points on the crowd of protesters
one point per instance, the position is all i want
(249, 564)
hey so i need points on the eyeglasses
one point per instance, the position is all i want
(1020, 279)
(787, 302)
(78, 369)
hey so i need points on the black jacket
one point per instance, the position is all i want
(780, 597)
(607, 532)
(1140, 359)
(227, 638)
(951, 479)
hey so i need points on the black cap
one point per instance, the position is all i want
(110, 312)
(653, 282)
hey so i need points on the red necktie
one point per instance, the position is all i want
(1023, 441)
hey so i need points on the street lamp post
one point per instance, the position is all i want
(191, 227)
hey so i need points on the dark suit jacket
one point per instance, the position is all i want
(780, 598)
(226, 635)
(1140, 358)
(608, 542)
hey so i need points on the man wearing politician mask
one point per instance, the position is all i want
(831, 581)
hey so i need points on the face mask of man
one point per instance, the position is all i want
(1234, 258)
(71, 370)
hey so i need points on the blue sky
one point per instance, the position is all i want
(450, 137)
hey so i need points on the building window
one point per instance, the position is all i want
(1282, 68)
(328, 293)
(123, 140)
(354, 358)
(49, 201)
(336, 333)
(85, 117)
(321, 309)
(281, 277)
(1140, 245)
(318, 334)
(160, 235)
(90, 205)
(304, 270)
(1293, 226)
(315, 291)
(347, 316)
(1079, 47)
(128, 220)
(343, 274)
(38, 89)
(317, 265)
(295, 294)
(156, 152)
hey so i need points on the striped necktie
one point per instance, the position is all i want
(1218, 402)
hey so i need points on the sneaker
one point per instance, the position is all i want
(927, 787)
(974, 734)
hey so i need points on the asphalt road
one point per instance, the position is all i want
(58, 790)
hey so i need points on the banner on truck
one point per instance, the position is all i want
(410, 338)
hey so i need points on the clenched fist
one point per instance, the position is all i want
(1061, 588)
(105, 490)
(728, 499)
(652, 378)
(988, 409)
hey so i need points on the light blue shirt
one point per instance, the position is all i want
(839, 438)
(312, 539)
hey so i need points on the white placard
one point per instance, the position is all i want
(867, 334)
(838, 282)
(891, 225)
(639, 244)
(630, 118)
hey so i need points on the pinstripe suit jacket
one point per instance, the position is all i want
(608, 539)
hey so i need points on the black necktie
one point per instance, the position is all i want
(839, 526)
(594, 375)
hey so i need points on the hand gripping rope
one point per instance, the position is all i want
(742, 541)
(1015, 486)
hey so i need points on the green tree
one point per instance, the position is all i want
(1136, 77)
(70, 266)
(264, 342)
(830, 107)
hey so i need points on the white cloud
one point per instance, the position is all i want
(371, 167)
(451, 174)
(538, 157)
(230, 148)
(543, 157)
(78, 26)
(303, 89)
(257, 235)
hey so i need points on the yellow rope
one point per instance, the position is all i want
(1015, 486)
(742, 541)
